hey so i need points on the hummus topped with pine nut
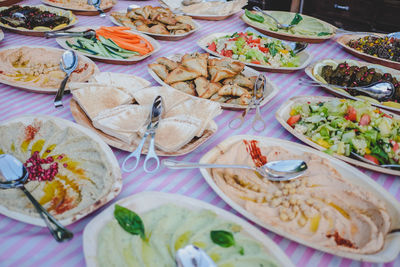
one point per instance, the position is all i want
(40, 67)
(320, 207)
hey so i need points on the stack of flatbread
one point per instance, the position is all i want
(120, 104)
(216, 79)
(201, 8)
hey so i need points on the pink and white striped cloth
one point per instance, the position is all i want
(25, 245)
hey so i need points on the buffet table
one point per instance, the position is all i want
(26, 245)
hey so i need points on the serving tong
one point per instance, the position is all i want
(278, 24)
(154, 119)
(254, 103)
(89, 34)
(96, 4)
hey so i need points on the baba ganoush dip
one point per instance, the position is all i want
(40, 67)
(169, 228)
(321, 207)
(68, 171)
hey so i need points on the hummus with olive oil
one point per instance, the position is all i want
(40, 67)
(321, 207)
(83, 172)
(169, 228)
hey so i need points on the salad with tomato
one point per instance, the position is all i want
(251, 48)
(344, 126)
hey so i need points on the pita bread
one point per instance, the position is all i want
(175, 132)
(94, 99)
(171, 97)
(124, 122)
(126, 82)
(204, 110)
(181, 74)
(196, 62)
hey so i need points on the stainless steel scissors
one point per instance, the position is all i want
(258, 123)
(155, 116)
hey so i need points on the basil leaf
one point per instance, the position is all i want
(222, 238)
(297, 18)
(253, 16)
(272, 49)
(129, 221)
(323, 33)
(241, 251)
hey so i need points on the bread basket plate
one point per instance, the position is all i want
(312, 72)
(131, 60)
(147, 201)
(50, 136)
(288, 36)
(40, 31)
(344, 39)
(270, 90)
(283, 114)
(304, 56)
(38, 89)
(165, 37)
(391, 246)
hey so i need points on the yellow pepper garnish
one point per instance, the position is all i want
(323, 143)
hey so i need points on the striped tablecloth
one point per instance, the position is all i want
(25, 245)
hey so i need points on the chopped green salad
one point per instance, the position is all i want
(344, 126)
(251, 48)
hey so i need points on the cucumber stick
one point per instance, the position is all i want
(102, 47)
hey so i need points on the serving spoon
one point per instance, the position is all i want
(15, 175)
(89, 34)
(69, 62)
(381, 91)
(192, 256)
(389, 166)
(283, 170)
(278, 24)
(96, 4)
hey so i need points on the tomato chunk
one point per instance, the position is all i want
(228, 53)
(212, 47)
(371, 158)
(293, 120)
(365, 120)
(351, 114)
(395, 145)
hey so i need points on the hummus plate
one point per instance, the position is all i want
(84, 9)
(148, 201)
(283, 114)
(314, 72)
(127, 61)
(165, 37)
(35, 77)
(346, 175)
(307, 24)
(344, 39)
(304, 57)
(270, 89)
(40, 31)
(87, 176)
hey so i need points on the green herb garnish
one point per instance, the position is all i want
(241, 251)
(222, 238)
(253, 16)
(129, 221)
(272, 49)
(323, 33)
(297, 18)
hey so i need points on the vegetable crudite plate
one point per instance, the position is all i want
(91, 11)
(87, 64)
(270, 90)
(131, 60)
(283, 114)
(148, 201)
(82, 119)
(304, 57)
(349, 174)
(165, 37)
(312, 72)
(88, 173)
(288, 36)
(40, 31)
(344, 39)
